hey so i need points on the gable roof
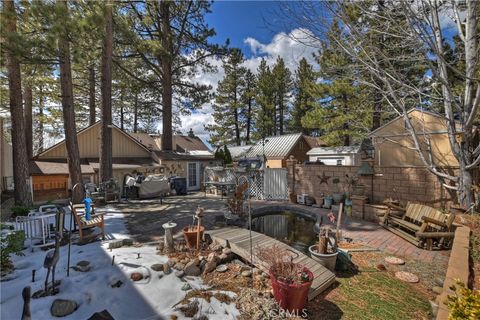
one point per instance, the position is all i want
(182, 143)
(275, 146)
(98, 123)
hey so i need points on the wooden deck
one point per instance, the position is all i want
(238, 241)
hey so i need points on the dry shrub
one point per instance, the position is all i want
(280, 262)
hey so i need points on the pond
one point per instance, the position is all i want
(290, 228)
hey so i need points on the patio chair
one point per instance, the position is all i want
(96, 220)
(36, 226)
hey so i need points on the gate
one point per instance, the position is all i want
(275, 184)
(268, 184)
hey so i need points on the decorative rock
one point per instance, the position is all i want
(179, 266)
(394, 260)
(166, 268)
(191, 269)
(102, 315)
(226, 250)
(212, 257)
(62, 307)
(117, 284)
(202, 264)
(179, 273)
(186, 287)
(437, 290)
(406, 276)
(221, 268)
(172, 262)
(216, 247)
(127, 242)
(209, 267)
(114, 244)
(81, 269)
(439, 281)
(246, 273)
(83, 263)
(136, 276)
(157, 267)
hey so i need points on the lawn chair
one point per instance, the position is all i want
(421, 225)
(96, 220)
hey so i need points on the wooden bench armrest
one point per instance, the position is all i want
(394, 206)
(434, 221)
(435, 234)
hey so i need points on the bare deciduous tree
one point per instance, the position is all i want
(419, 29)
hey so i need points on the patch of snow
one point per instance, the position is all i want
(153, 297)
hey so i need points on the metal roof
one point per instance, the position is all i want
(275, 147)
(238, 152)
(334, 150)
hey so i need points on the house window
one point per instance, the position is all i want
(339, 162)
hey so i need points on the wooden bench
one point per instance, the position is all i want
(421, 225)
(96, 220)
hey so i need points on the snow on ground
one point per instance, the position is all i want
(150, 298)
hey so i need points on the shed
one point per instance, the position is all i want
(342, 156)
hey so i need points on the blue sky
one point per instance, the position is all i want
(239, 20)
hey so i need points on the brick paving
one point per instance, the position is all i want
(372, 235)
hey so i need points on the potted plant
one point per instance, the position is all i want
(326, 251)
(337, 195)
(290, 281)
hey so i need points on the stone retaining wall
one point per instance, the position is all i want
(458, 268)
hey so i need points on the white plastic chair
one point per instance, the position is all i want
(36, 227)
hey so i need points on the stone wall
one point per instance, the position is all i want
(414, 184)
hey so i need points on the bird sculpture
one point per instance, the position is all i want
(318, 223)
(26, 315)
(50, 263)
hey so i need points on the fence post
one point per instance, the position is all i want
(291, 161)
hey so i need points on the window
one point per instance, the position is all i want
(339, 162)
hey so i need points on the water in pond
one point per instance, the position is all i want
(287, 227)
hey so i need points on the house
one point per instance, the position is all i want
(394, 145)
(131, 152)
(277, 149)
(341, 156)
(189, 158)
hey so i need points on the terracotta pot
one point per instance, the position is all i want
(291, 296)
(190, 235)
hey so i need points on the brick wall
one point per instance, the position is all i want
(400, 183)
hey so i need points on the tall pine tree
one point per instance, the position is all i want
(304, 99)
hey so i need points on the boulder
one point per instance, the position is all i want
(225, 258)
(179, 266)
(127, 242)
(209, 267)
(157, 267)
(136, 276)
(63, 307)
(212, 257)
(114, 244)
(192, 269)
(179, 273)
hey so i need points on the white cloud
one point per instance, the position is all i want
(288, 46)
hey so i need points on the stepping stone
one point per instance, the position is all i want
(83, 263)
(102, 315)
(136, 276)
(179, 273)
(407, 276)
(157, 267)
(62, 307)
(394, 260)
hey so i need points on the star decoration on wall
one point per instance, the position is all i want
(323, 178)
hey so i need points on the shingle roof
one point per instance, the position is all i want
(172, 155)
(275, 147)
(51, 168)
(181, 143)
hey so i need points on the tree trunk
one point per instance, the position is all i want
(39, 130)
(73, 155)
(91, 96)
(281, 111)
(237, 127)
(166, 63)
(249, 120)
(106, 83)
(465, 183)
(28, 121)
(135, 113)
(20, 155)
(122, 116)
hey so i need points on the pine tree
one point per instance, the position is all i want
(248, 100)
(305, 78)
(337, 114)
(228, 108)
(266, 101)
(227, 156)
(282, 85)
